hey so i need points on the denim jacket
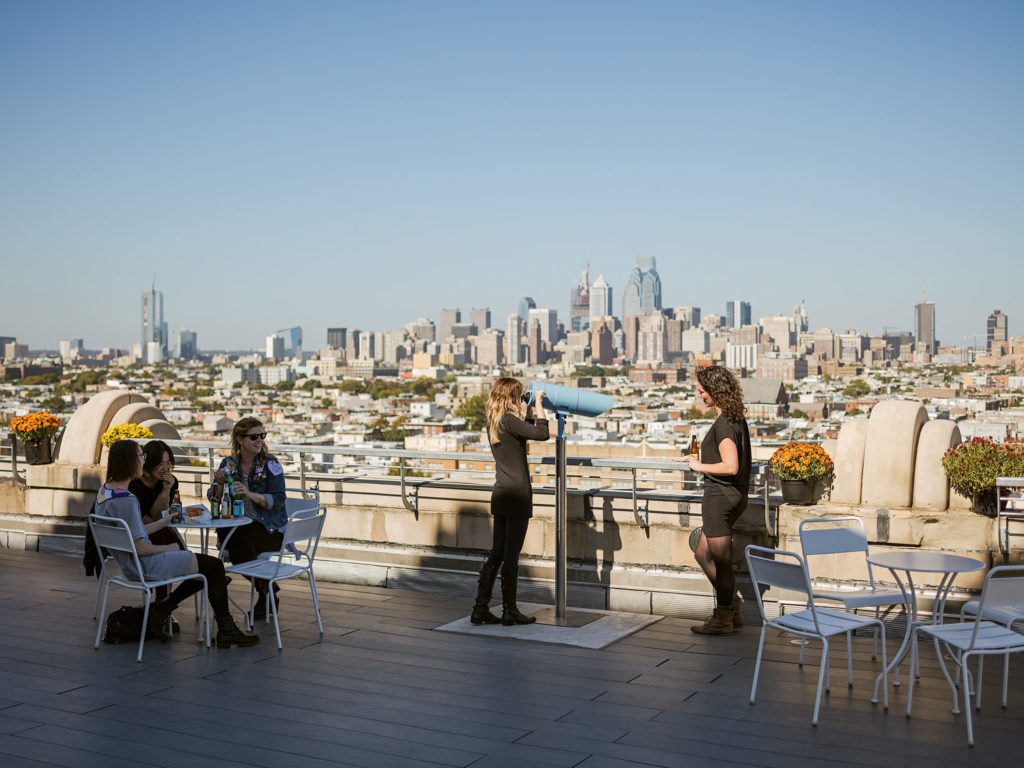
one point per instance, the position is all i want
(266, 477)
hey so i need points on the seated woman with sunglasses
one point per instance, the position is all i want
(259, 479)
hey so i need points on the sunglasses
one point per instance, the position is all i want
(257, 436)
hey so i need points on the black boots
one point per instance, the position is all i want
(228, 634)
(509, 610)
(481, 608)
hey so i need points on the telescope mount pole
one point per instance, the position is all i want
(560, 521)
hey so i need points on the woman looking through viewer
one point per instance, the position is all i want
(259, 480)
(162, 561)
(725, 462)
(508, 430)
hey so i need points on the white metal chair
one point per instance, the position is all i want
(840, 536)
(1003, 605)
(113, 534)
(979, 637)
(786, 570)
(295, 558)
(307, 499)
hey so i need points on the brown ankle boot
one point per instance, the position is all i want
(719, 623)
(737, 613)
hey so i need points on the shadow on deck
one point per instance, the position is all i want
(381, 688)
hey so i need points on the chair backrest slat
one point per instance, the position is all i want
(777, 573)
(1004, 585)
(111, 533)
(305, 527)
(824, 536)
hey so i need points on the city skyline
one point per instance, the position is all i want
(387, 160)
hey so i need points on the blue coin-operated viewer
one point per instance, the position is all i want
(564, 401)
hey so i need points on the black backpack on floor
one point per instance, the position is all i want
(125, 625)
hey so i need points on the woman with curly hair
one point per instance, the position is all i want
(508, 429)
(725, 462)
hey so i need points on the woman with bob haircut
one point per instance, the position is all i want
(725, 462)
(509, 426)
(259, 480)
(163, 561)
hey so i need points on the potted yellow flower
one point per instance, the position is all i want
(799, 466)
(125, 432)
(36, 430)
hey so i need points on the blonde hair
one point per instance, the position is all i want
(506, 397)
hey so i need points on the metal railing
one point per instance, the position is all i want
(640, 480)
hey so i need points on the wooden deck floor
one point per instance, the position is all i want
(382, 689)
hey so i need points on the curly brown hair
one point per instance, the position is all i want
(724, 388)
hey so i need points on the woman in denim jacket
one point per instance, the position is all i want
(259, 479)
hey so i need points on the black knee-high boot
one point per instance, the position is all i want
(509, 610)
(481, 608)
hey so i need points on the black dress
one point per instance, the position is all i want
(512, 495)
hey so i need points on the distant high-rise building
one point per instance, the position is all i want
(481, 318)
(579, 304)
(154, 329)
(737, 314)
(490, 348)
(600, 298)
(689, 315)
(525, 305)
(449, 317)
(642, 294)
(601, 344)
(924, 327)
(548, 320)
(367, 345)
(651, 339)
(535, 343)
(800, 317)
(275, 347)
(352, 345)
(292, 340)
(184, 343)
(513, 338)
(997, 330)
(337, 337)
(70, 349)
(422, 329)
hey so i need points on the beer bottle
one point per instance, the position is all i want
(694, 446)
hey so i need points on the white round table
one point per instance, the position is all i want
(230, 524)
(909, 562)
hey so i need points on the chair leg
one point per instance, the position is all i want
(885, 672)
(1006, 676)
(949, 678)
(874, 636)
(828, 669)
(102, 612)
(822, 674)
(757, 664)
(316, 601)
(272, 604)
(145, 623)
(849, 659)
(977, 688)
(967, 704)
(803, 644)
(913, 658)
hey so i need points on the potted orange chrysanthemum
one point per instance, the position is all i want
(36, 430)
(799, 466)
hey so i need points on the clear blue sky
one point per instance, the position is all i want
(366, 163)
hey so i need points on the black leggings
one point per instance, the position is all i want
(213, 569)
(509, 535)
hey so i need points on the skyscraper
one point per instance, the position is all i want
(449, 317)
(924, 327)
(481, 318)
(336, 337)
(997, 329)
(513, 337)
(548, 320)
(525, 305)
(737, 314)
(579, 304)
(184, 344)
(642, 294)
(154, 329)
(600, 298)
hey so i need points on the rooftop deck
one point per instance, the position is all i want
(383, 689)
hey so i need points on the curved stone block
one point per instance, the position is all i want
(80, 443)
(890, 453)
(931, 486)
(136, 413)
(849, 462)
(161, 429)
